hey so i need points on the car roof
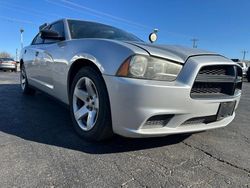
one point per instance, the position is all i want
(4, 58)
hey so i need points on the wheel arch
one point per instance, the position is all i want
(76, 65)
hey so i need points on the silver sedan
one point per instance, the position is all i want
(114, 82)
(8, 64)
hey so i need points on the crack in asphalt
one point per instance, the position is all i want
(215, 173)
(218, 159)
(169, 171)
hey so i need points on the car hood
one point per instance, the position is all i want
(175, 53)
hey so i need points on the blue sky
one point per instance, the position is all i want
(220, 25)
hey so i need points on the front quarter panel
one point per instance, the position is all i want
(107, 55)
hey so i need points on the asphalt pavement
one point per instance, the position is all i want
(39, 148)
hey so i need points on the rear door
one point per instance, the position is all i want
(30, 59)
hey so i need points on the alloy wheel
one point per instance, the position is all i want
(23, 78)
(85, 103)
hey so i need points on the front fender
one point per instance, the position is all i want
(107, 55)
(86, 56)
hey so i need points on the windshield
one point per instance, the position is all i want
(83, 29)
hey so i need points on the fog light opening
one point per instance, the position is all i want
(158, 121)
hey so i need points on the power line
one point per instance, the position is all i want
(105, 14)
(194, 40)
(71, 8)
(16, 54)
(30, 10)
(80, 11)
(90, 13)
(102, 15)
(75, 8)
(23, 11)
(17, 20)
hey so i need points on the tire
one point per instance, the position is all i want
(248, 75)
(95, 123)
(26, 89)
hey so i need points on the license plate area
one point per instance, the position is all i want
(226, 109)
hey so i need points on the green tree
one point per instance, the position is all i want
(5, 55)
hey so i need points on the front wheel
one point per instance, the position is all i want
(27, 90)
(248, 75)
(89, 105)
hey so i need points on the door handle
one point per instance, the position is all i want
(37, 54)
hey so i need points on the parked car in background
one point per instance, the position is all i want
(8, 64)
(114, 82)
(244, 68)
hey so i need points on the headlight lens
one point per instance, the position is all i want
(144, 67)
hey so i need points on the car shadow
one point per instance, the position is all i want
(43, 120)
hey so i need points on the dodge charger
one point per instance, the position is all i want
(115, 83)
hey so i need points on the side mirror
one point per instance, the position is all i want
(43, 26)
(153, 36)
(49, 34)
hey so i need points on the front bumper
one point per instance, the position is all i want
(134, 101)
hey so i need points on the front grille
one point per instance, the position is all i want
(217, 80)
(213, 70)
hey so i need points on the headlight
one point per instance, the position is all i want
(144, 67)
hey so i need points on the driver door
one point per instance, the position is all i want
(44, 59)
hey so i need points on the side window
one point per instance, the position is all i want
(58, 27)
(37, 39)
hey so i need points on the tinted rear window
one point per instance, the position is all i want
(6, 59)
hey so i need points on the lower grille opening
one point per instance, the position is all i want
(158, 121)
(204, 89)
(199, 120)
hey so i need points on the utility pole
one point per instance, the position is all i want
(244, 54)
(16, 54)
(194, 40)
(21, 37)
